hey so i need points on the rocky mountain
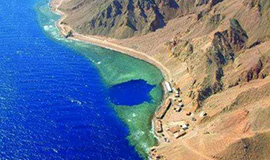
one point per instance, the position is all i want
(126, 18)
(217, 52)
(229, 38)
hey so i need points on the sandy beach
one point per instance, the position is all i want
(103, 42)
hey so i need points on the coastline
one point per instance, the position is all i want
(101, 42)
(190, 122)
(64, 29)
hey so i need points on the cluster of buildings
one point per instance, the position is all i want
(177, 129)
(183, 119)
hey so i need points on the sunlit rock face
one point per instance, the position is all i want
(126, 18)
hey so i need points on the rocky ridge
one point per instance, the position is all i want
(126, 18)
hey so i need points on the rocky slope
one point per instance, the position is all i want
(218, 53)
(126, 18)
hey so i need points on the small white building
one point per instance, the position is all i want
(185, 126)
(203, 114)
(178, 109)
(168, 87)
(181, 104)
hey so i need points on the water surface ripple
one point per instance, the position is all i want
(54, 101)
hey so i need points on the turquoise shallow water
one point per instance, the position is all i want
(61, 99)
(116, 68)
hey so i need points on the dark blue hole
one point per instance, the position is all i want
(130, 93)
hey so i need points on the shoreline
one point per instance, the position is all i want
(188, 122)
(109, 45)
(64, 29)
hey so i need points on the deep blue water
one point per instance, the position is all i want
(130, 93)
(53, 103)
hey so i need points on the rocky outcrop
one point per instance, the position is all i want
(231, 40)
(181, 49)
(260, 5)
(252, 73)
(224, 45)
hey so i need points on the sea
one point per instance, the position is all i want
(65, 99)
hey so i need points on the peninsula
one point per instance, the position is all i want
(215, 58)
